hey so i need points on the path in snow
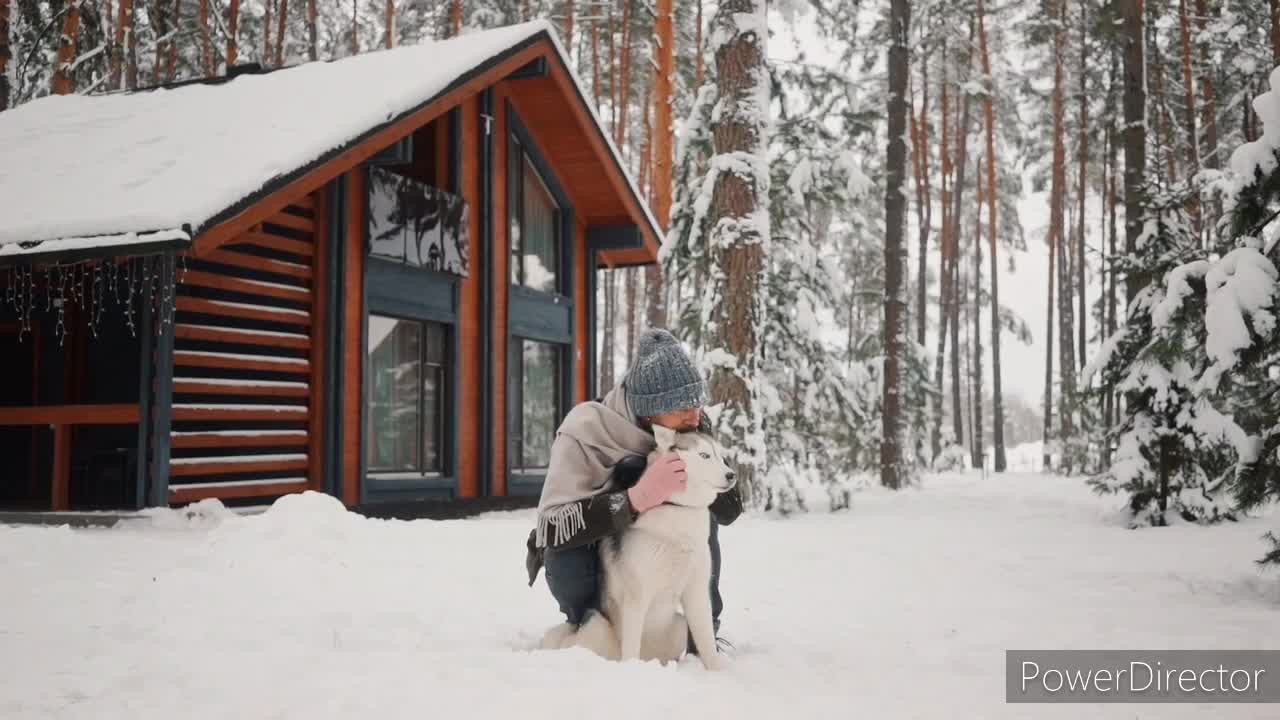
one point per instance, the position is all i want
(902, 607)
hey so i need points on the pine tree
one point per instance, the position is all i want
(735, 197)
(893, 471)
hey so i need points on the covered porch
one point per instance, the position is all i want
(78, 344)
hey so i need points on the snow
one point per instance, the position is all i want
(238, 459)
(272, 308)
(248, 331)
(103, 167)
(901, 607)
(239, 382)
(1260, 155)
(241, 356)
(11, 248)
(1240, 290)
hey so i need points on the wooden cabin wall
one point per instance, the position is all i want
(470, 420)
(245, 339)
(501, 284)
(353, 322)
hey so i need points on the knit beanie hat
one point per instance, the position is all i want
(663, 378)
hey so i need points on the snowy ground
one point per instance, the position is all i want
(901, 608)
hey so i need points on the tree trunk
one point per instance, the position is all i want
(957, 295)
(1189, 95)
(1081, 298)
(313, 45)
(280, 26)
(997, 422)
(607, 373)
(1048, 359)
(1109, 399)
(63, 82)
(1275, 32)
(389, 22)
(976, 311)
(1210, 104)
(698, 66)
(632, 330)
(1135, 138)
(355, 27)
(892, 470)
(455, 17)
(663, 154)
(1057, 192)
(206, 41)
(595, 62)
(924, 201)
(623, 99)
(568, 27)
(944, 249)
(739, 243)
(233, 28)
(5, 54)
(266, 30)
(1164, 122)
(175, 25)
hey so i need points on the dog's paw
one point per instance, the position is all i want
(714, 663)
(558, 637)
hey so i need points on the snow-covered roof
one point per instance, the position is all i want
(124, 168)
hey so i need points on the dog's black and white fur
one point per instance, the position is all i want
(659, 565)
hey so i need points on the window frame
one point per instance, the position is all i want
(537, 315)
(522, 154)
(516, 452)
(444, 402)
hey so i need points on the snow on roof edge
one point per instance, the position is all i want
(97, 242)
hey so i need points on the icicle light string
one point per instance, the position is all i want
(91, 285)
(61, 330)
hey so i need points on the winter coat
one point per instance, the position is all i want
(609, 511)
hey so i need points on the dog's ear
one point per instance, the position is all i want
(665, 436)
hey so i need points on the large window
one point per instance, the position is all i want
(407, 372)
(535, 228)
(535, 381)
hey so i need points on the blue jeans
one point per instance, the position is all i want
(575, 577)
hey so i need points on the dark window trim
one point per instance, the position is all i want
(519, 133)
(563, 354)
(521, 483)
(375, 489)
(445, 406)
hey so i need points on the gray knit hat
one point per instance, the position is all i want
(663, 378)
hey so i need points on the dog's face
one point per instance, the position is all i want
(708, 472)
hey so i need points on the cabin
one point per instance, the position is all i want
(372, 277)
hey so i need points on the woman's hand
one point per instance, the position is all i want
(664, 478)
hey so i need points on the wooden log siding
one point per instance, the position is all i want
(245, 346)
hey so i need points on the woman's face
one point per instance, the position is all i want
(686, 419)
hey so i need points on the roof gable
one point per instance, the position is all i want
(170, 163)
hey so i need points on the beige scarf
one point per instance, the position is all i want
(592, 439)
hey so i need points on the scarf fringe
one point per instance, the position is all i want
(566, 520)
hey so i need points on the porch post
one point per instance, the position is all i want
(146, 365)
(162, 405)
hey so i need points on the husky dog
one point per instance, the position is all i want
(660, 563)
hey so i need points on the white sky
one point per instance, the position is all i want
(1023, 290)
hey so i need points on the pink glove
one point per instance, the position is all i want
(665, 477)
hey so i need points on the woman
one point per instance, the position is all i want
(599, 449)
